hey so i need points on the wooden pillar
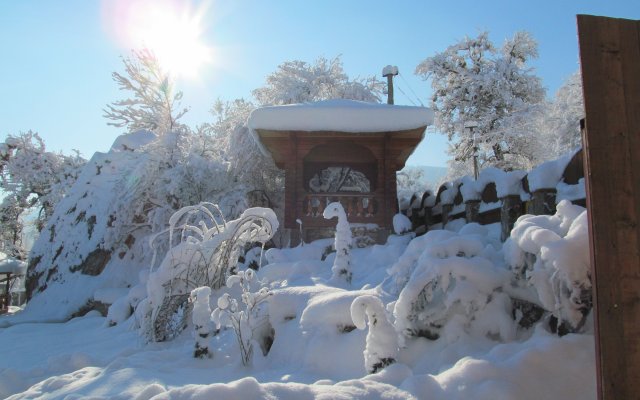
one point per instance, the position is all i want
(509, 213)
(471, 210)
(390, 195)
(610, 62)
(290, 179)
(543, 202)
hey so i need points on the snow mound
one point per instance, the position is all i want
(133, 141)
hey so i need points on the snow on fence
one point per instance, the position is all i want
(500, 196)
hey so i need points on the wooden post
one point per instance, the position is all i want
(610, 60)
(389, 72)
(509, 213)
(471, 210)
(543, 202)
(427, 218)
(446, 210)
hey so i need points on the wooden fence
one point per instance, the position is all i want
(427, 214)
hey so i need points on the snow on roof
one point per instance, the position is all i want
(340, 115)
(13, 266)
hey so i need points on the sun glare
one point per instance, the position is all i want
(171, 29)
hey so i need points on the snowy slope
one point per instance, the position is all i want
(72, 251)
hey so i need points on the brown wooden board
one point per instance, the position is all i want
(610, 61)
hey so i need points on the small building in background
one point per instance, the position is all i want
(339, 150)
(12, 289)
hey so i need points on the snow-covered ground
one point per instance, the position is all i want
(454, 287)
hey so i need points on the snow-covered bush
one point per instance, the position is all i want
(560, 268)
(250, 321)
(342, 264)
(382, 340)
(206, 254)
(451, 284)
(201, 318)
(401, 224)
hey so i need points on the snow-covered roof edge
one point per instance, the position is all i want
(338, 115)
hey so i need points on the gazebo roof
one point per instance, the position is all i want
(337, 118)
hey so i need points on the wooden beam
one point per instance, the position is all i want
(610, 62)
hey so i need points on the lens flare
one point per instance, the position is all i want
(173, 30)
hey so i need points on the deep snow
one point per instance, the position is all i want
(481, 353)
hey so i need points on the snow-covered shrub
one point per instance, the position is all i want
(249, 321)
(382, 340)
(401, 224)
(201, 318)
(552, 253)
(452, 284)
(207, 253)
(342, 264)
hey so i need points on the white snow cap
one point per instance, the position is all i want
(390, 70)
(342, 116)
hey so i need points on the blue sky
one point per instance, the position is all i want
(57, 57)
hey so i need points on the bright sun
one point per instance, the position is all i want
(171, 29)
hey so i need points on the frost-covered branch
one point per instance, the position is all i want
(153, 105)
(245, 320)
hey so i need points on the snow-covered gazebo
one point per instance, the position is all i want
(339, 150)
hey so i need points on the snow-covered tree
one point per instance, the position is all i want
(153, 106)
(299, 82)
(247, 164)
(411, 180)
(382, 340)
(33, 178)
(567, 110)
(342, 264)
(11, 227)
(550, 128)
(473, 81)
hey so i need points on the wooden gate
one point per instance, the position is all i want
(610, 62)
